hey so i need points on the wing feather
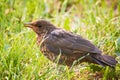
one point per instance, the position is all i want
(69, 43)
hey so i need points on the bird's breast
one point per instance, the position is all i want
(39, 39)
(50, 55)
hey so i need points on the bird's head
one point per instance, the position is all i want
(40, 26)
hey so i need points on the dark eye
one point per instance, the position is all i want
(38, 25)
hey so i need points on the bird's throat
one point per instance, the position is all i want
(39, 38)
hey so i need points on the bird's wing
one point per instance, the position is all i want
(68, 43)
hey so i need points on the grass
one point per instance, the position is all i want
(20, 58)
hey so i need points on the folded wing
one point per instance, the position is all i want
(68, 43)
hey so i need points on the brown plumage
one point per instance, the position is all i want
(56, 43)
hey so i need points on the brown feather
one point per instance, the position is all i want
(70, 47)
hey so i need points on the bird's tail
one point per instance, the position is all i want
(104, 60)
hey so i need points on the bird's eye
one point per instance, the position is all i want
(39, 26)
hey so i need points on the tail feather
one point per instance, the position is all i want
(98, 62)
(104, 60)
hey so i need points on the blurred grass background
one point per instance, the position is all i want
(20, 58)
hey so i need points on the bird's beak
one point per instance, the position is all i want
(28, 24)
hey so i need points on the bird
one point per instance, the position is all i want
(65, 47)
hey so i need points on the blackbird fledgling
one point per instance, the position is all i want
(68, 46)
